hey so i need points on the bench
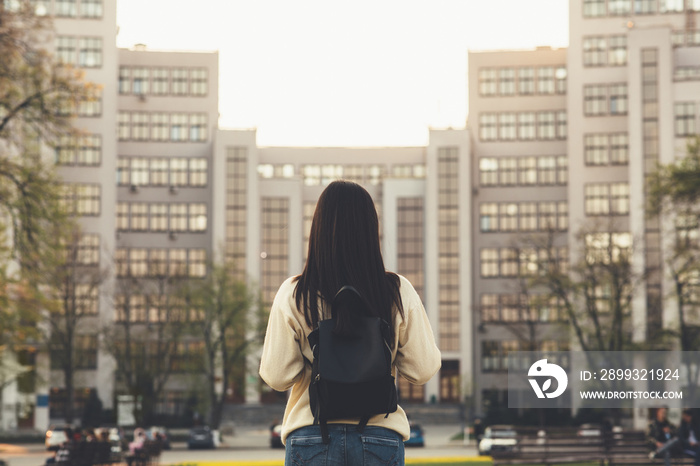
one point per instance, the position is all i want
(619, 448)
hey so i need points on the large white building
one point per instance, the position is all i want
(555, 138)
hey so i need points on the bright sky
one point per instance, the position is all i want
(341, 72)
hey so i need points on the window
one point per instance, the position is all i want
(197, 263)
(685, 119)
(161, 81)
(560, 74)
(180, 81)
(312, 175)
(528, 216)
(124, 80)
(670, 6)
(198, 127)
(375, 174)
(508, 171)
(526, 126)
(509, 259)
(545, 80)
(619, 198)
(158, 167)
(595, 149)
(562, 169)
(124, 123)
(122, 216)
(178, 217)
(85, 352)
(594, 48)
(141, 80)
(619, 7)
(563, 216)
(139, 216)
(489, 308)
(198, 172)
(66, 49)
(91, 8)
(488, 170)
(90, 106)
(618, 99)
(489, 263)
(198, 217)
(527, 170)
(159, 217)
(488, 127)
(546, 125)
(508, 220)
(89, 249)
(160, 127)
(81, 199)
(488, 219)
(597, 199)
(178, 127)
(607, 247)
(619, 149)
(547, 216)
(90, 52)
(642, 7)
(506, 126)
(617, 50)
(547, 170)
(506, 81)
(595, 99)
(85, 150)
(487, 81)
(139, 171)
(140, 129)
(593, 8)
(138, 262)
(123, 172)
(526, 81)
(562, 128)
(198, 83)
(65, 8)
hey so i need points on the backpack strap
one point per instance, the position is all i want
(363, 423)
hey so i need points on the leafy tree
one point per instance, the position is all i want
(38, 95)
(674, 194)
(229, 320)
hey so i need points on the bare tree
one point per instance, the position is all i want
(229, 320)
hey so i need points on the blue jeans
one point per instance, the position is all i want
(374, 446)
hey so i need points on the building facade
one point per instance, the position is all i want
(556, 139)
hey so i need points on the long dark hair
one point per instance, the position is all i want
(344, 250)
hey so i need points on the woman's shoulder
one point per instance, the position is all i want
(287, 288)
(406, 289)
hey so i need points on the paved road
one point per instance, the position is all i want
(250, 444)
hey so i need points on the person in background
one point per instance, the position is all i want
(662, 436)
(689, 433)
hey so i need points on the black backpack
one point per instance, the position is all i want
(351, 375)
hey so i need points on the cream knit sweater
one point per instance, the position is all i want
(282, 366)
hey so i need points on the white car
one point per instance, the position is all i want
(498, 439)
(55, 436)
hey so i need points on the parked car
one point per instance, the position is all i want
(155, 432)
(498, 439)
(201, 437)
(416, 438)
(55, 436)
(276, 436)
